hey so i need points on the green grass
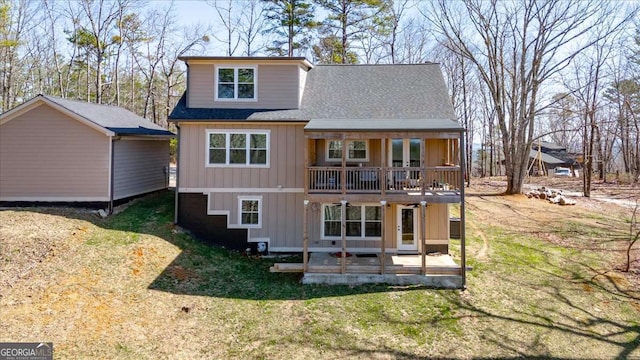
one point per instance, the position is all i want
(168, 295)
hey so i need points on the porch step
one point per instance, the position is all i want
(287, 267)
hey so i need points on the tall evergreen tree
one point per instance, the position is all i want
(291, 21)
(348, 18)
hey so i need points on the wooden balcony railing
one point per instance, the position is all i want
(383, 179)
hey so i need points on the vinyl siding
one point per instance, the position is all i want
(303, 80)
(437, 232)
(44, 154)
(286, 163)
(278, 88)
(139, 166)
(281, 216)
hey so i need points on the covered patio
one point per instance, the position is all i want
(438, 270)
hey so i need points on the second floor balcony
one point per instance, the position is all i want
(439, 180)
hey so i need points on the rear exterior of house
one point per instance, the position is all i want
(58, 150)
(334, 159)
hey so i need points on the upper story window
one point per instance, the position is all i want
(236, 83)
(238, 148)
(357, 150)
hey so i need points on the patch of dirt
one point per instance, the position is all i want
(30, 238)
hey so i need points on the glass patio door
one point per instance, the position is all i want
(405, 153)
(407, 228)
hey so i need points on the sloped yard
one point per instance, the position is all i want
(545, 283)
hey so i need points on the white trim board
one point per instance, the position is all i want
(240, 190)
(54, 198)
(259, 239)
(333, 249)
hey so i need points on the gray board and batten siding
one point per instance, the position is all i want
(140, 166)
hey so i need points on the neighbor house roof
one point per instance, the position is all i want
(533, 154)
(549, 146)
(412, 96)
(115, 120)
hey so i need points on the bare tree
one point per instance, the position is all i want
(395, 10)
(172, 73)
(160, 23)
(102, 16)
(634, 234)
(251, 25)
(459, 75)
(16, 20)
(413, 44)
(230, 19)
(517, 47)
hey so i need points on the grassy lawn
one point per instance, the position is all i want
(133, 286)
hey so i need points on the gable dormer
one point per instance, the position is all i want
(245, 82)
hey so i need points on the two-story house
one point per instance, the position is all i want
(355, 166)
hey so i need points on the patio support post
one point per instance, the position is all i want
(463, 252)
(305, 235)
(343, 258)
(383, 205)
(423, 235)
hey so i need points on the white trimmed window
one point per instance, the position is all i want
(362, 222)
(357, 150)
(238, 148)
(236, 83)
(250, 211)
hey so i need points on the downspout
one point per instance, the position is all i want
(177, 192)
(175, 218)
(111, 174)
(463, 252)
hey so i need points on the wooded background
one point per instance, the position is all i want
(566, 71)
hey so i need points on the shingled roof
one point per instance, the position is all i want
(115, 119)
(351, 96)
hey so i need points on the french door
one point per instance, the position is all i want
(405, 153)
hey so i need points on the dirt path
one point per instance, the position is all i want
(482, 253)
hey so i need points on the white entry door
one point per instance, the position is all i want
(407, 228)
